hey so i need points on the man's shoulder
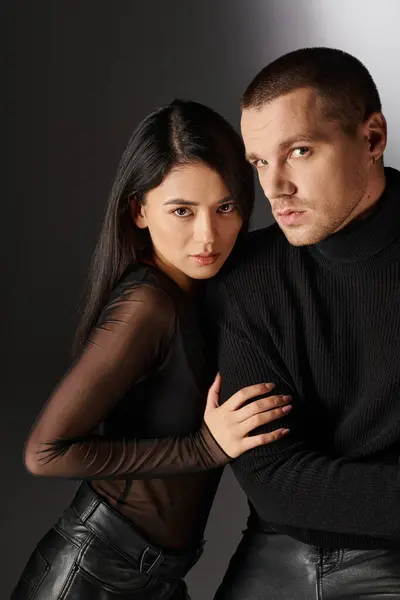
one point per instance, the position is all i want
(261, 242)
(261, 248)
(250, 263)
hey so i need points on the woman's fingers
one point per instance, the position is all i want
(261, 405)
(248, 393)
(263, 438)
(217, 383)
(263, 418)
(231, 423)
(213, 394)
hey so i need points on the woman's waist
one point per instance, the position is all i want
(171, 512)
(110, 542)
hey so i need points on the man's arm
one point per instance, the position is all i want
(288, 481)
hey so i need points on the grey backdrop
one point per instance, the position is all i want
(86, 73)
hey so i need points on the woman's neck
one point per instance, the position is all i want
(187, 284)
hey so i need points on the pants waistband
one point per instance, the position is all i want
(107, 523)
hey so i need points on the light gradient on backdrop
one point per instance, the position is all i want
(86, 73)
(365, 28)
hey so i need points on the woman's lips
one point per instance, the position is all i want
(205, 259)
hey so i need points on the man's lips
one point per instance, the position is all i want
(290, 216)
(287, 211)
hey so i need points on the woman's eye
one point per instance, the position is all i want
(299, 152)
(227, 208)
(181, 212)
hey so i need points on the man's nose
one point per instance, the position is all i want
(275, 182)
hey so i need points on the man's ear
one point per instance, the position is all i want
(138, 214)
(376, 133)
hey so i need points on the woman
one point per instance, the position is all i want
(127, 418)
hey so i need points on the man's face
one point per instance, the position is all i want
(314, 175)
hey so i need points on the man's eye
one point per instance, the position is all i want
(299, 152)
(260, 162)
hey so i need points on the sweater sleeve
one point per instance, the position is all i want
(131, 337)
(289, 482)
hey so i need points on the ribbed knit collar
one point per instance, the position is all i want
(362, 239)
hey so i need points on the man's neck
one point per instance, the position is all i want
(375, 226)
(368, 203)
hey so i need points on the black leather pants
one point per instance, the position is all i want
(93, 553)
(268, 566)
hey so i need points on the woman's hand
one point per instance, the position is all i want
(231, 423)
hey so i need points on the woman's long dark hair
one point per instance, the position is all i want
(181, 133)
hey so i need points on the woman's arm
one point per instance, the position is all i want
(134, 331)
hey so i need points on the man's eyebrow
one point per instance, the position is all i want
(305, 137)
(251, 157)
(294, 139)
(183, 202)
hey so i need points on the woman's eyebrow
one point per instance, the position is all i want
(183, 202)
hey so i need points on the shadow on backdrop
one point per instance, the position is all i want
(86, 73)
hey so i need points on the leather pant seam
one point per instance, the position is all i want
(328, 568)
(95, 533)
(75, 567)
(319, 575)
(340, 557)
(66, 536)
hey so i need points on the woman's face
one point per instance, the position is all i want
(193, 222)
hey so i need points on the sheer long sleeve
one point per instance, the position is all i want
(132, 334)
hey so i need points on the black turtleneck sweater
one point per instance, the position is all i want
(323, 323)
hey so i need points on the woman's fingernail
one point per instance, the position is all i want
(269, 386)
(286, 398)
(287, 408)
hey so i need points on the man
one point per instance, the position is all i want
(312, 305)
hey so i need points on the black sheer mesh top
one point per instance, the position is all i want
(128, 416)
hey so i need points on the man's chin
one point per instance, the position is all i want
(298, 236)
